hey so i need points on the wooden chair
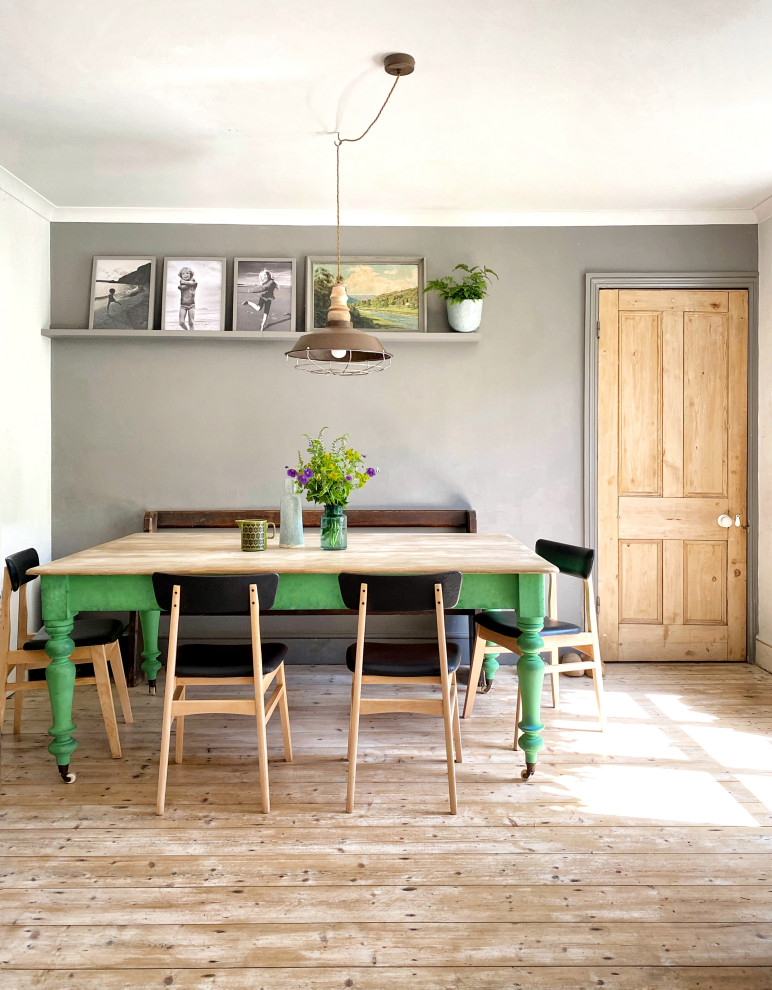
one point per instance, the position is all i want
(500, 628)
(256, 663)
(403, 663)
(96, 646)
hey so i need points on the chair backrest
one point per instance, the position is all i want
(18, 564)
(400, 592)
(204, 594)
(574, 561)
(16, 578)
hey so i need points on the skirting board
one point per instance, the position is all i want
(763, 655)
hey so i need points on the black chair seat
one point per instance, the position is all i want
(403, 659)
(203, 660)
(505, 623)
(85, 632)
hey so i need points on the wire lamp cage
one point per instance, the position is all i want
(341, 348)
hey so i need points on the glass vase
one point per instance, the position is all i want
(290, 517)
(333, 527)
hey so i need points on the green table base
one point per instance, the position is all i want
(64, 596)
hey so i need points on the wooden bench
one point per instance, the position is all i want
(460, 520)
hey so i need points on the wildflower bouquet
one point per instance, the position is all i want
(329, 476)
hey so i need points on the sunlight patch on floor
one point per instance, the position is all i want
(761, 787)
(620, 739)
(672, 706)
(730, 748)
(619, 704)
(656, 794)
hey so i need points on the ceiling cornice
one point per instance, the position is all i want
(12, 186)
(414, 218)
(764, 210)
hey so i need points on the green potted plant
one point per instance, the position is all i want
(464, 298)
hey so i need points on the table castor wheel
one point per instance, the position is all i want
(64, 771)
(151, 687)
(530, 770)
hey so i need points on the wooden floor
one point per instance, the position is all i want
(641, 858)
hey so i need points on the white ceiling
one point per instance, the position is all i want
(515, 105)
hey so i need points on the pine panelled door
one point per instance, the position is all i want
(672, 474)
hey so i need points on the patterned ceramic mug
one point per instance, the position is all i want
(254, 533)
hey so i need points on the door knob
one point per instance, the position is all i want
(724, 520)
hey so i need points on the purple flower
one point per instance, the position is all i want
(370, 472)
(348, 477)
(309, 474)
(292, 473)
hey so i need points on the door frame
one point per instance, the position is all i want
(594, 282)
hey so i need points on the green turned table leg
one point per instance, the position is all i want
(60, 677)
(151, 665)
(530, 675)
(490, 666)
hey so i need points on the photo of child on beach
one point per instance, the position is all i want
(122, 293)
(264, 294)
(194, 294)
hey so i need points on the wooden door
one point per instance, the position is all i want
(672, 455)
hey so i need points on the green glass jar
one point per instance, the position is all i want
(333, 528)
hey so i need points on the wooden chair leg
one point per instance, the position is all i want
(179, 728)
(597, 683)
(518, 714)
(18, 704)
(284, 715)
(447, 717)
(5, 687)
(119, 676)
(102, 678)
(262, 749)
(474, 675)
(351, 709)
(166, 738)
(554, 662)
(456, 722)
(353, 742)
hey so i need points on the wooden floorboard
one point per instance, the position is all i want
(640, 857)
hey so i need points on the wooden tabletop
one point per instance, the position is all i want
(219, 552)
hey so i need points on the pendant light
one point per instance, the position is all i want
(340, 348)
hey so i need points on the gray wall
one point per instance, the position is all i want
(495, 425)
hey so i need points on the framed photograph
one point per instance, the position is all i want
(194, 294)
(122, 294)
(264, 294)
(383, 293)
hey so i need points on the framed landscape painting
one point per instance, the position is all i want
(122, 293)
(264, 294)
(194, 294)
(383, 293)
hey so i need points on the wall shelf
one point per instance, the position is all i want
(445, 337)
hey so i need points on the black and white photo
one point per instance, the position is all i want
(194, 294)
(122, 293)
(264, 294)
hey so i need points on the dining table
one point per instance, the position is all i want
(498, 572)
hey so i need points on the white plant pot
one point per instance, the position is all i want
(465, 316)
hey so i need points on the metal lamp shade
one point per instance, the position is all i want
(361, 352)
(339, 349)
